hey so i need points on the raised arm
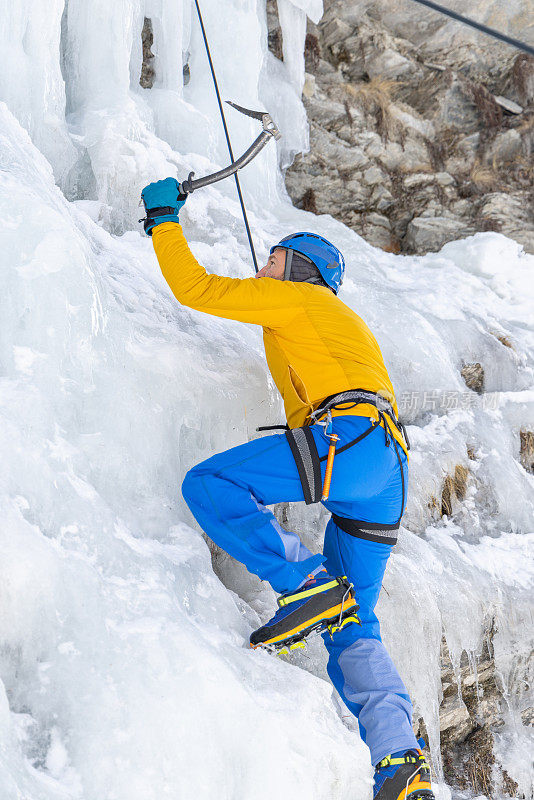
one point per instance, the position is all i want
(265, 302)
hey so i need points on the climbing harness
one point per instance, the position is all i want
(477, 26)
(344, 401)
(308, 461)
(269, 131)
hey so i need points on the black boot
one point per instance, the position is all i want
(403, 775)
(323, 602)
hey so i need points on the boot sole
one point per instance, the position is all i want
(423, 792)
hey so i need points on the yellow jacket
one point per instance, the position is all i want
(315, 345)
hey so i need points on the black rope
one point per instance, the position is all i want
(221, 109)
(477, 25)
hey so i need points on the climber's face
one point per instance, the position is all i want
(275, 265)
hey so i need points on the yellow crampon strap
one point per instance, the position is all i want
(391, 762)
(291, 598)
(338, 626)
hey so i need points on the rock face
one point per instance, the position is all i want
(431, 233)
(411, 142)
(471, 717)
(148, 72)
(470, 713)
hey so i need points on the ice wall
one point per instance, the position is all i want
(122, 656)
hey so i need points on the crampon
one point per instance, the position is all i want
(322, 604)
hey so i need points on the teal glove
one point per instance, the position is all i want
(163, 201)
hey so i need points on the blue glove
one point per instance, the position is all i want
(163, 201)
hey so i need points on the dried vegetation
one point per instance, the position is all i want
(375, 97)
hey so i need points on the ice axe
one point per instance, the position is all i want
(270, 131)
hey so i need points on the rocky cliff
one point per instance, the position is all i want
(421, 131)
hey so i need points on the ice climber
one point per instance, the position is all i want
(337, 393)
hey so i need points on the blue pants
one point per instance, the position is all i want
(228, 495)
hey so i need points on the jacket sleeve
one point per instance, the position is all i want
(264, 301)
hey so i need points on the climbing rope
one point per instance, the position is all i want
(477, 25)
(221, 109)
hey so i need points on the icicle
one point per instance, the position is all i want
(293, 23)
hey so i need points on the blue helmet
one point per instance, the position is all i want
(327, 258)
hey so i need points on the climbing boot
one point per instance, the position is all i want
(403, 775)
(322, 603)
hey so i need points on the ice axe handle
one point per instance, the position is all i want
(270, 131)
(187, 187)
(258, 144)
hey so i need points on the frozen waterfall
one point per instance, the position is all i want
(124, 671)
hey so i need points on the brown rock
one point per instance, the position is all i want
(148, 72)
(527, 450)
(473, 375)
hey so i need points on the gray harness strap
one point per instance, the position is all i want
(354, 396)
(372, 531)
(306, 457)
